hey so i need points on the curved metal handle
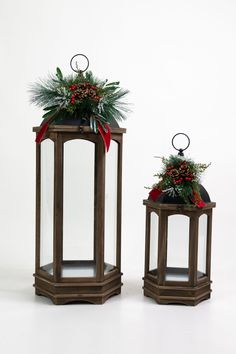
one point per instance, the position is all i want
(77, 70)
(181, 151)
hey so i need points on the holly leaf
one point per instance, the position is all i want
(50, 108)
(59, 74)
(111, 88)
(95, 127)
(101, 118)
(91, 122)
(50, 114)
(115, 83)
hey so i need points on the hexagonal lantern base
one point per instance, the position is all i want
(92, 292)
(177, 294)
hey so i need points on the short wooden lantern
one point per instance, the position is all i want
(78, 215)
(178, 234)
(178, 253)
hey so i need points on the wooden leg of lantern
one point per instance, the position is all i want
(193, 250)
(208, 251)
(38, 208)
(147, 242)
(58, 209)
(162, 246)
(119, 204)
(99, 208)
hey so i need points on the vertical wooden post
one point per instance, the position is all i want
(99, 207)
(119, 204)
(147, 242)
(208, 250)
(58, 207)
(162, 246)
(193, 250)
(38, 207)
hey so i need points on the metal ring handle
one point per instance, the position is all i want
(78, 70)
(180, 150)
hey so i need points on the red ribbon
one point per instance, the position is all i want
(41, 132)
(154, 194)
(43, 129)
(106, 136)
(197, 200)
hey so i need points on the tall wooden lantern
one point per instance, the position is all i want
(78, 212)
(178, 239)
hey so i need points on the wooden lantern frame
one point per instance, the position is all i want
(96, 289)
(189, 292)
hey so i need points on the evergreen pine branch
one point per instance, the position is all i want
(55, 94)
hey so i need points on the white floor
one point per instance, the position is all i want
(129, 323)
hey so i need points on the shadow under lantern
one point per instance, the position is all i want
(178, 250)
(78, 215)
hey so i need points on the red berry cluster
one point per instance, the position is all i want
(73, 87)
(180, 174)
(84, 91)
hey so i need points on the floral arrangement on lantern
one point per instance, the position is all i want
(82, 96)
(180, 177)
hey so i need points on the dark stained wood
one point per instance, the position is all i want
(198, 286)
(58, 208)
(99, 207)
(193, 249)
(147, 242)
(118, 139)
(76, 129)
(98, 289)
(84, 136)
(208, 250)
(65, 292)
(162, 247)
(175, 294)
(38, 208)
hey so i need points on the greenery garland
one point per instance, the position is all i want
(82, 96)
(179, 177)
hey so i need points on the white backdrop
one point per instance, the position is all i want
(177, 58)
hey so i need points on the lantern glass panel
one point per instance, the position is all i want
(78, 211)
(202, 245)
(46, 202)
(177, 248)
(111, 174)
(153, 249)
